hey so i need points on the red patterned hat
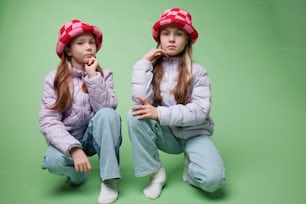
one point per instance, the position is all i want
(179, 17)
(74, 28)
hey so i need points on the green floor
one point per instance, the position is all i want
(255, 53)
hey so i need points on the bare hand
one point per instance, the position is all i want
(81, 162)
(154, 54)
(91, 67)
(145, 111)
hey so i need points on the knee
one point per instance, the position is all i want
(208, 180)
(131, 120)
(53, 162)
(107, 114)
(133, 124)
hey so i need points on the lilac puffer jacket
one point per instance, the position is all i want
(185, 121)
(62, 129)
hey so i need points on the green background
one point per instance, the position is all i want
(254, 51)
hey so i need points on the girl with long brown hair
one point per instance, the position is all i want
(77, 114)
(172, 98)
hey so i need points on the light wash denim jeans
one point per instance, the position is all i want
(205, 166)
(102, 136)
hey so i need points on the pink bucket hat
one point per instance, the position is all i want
(179, 17)
(74, 28)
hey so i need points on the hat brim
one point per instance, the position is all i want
(192, 32)
(61, 44)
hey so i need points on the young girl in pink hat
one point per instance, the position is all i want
(172, 101)
(77, 113)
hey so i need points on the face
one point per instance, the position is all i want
(173, 39)
(82, 48)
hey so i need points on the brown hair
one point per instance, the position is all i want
(62, 85)
(182, 90)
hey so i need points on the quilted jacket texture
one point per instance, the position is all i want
(62, 129)
(187, 120)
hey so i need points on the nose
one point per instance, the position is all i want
(171, 38)
(88, 46)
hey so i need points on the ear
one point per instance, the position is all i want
(67, 51)
(188, 40)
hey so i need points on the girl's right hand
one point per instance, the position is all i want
(81, 161)
(91, 67)
(154, 54)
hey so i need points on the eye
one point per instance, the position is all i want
(92, 42)
(165, 33)
(79, 42)
(179, 33)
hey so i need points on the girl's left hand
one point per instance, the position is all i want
(91, 67)
(145, 111)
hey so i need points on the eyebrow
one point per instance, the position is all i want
(85, 39)
(172, 28)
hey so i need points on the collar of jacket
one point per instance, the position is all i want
(171, 59)
(78, 73)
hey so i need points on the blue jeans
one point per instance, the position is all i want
(102, 136)
(205, 166)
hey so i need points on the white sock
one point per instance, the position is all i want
(158, 180)
(108, 193)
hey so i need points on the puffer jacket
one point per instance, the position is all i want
(187, 120)
(63, 129)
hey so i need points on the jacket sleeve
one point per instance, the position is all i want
(197, 111)
(101, 91)
(141, 81)
(50, 121)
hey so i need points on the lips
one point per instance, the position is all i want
(88, 55)
(171, 47)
